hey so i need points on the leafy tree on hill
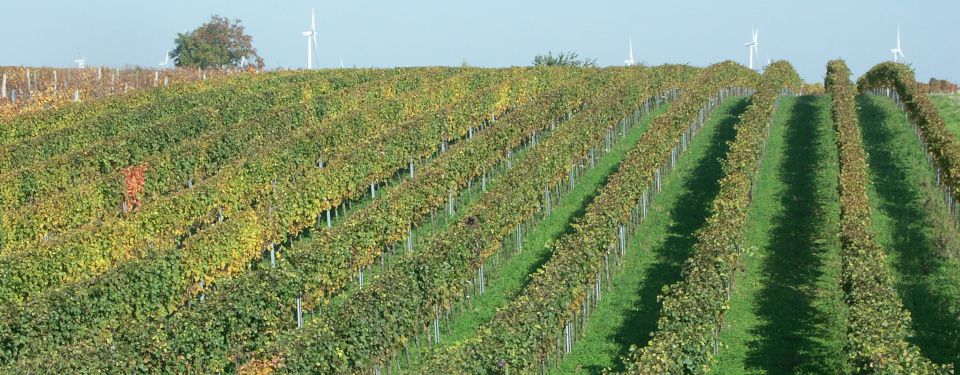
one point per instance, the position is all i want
(562, 59)
(217, 44)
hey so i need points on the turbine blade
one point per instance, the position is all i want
(316, 52)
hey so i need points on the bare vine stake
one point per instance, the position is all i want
(546, 198)
(3, 91)
(478, 279)
(299, 309)
(328, 219)
(658, 179)
(273, 257)
(519, 243)
(599, 283)
(483, 181)
(606, 263)
(410, 238)
(623, 239)
(436, 327)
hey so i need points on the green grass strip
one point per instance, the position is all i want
(949, 107)
(913, 224)
(538, 244)
(628, 313)
(787, 314)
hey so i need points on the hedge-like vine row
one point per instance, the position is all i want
(75, 127)
(32, 90)
(97, 246)
(80, 144)
(372, 326)
(168, 271)
(73, 189)
(692, 314)
(525, 333)
(940, 142)
(99, 197)
(878, 324)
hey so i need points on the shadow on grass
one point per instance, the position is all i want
(580, 209)
(903, 200)
(689, 212)
(792, 265)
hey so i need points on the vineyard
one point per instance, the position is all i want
(652, 220)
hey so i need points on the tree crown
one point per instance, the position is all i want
(562, 59)
(217, 44)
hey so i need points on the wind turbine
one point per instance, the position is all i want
(630, 62)
(897, 50)
(166, 59)
(753, 47)
(81, 61)
(312, 34)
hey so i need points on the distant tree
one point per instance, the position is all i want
(562, 59)
(217, 44)
(935, 86)
(941, 86)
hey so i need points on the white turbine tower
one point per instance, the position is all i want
(897, 51)
(753, 47)
(312, 34)
(80, 62)
(166, 59)
(630, 62)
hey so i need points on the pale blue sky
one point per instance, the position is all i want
(807, 33)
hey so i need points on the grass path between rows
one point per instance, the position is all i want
(628, 314)
(914, 227)
(787, 314)
(949, 107)
(515, 272)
